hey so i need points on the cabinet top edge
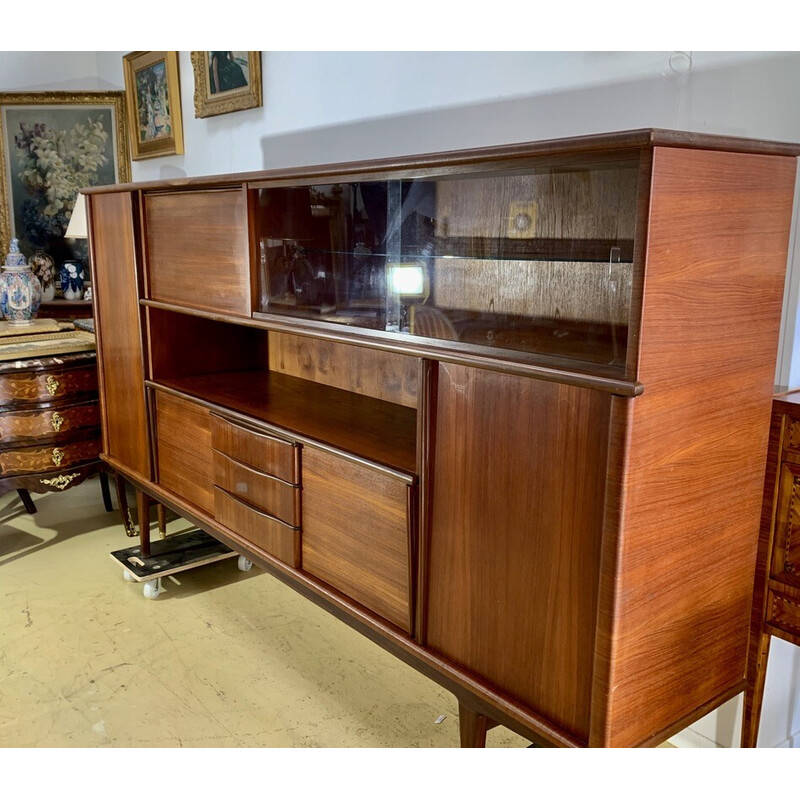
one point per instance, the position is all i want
(588, 144)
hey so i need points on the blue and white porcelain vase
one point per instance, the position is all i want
(71, 274)
(20, 290)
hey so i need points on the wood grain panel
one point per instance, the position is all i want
(268, 534)
(197, 251)
(356, 533)
(184, 449)
(48, 423)
(117, 321)
(677, 584)
(263, 491)
(386, 376)
(267, 453)
(517, 502)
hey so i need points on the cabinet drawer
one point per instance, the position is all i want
(267, 453)
(783, 609)
(45, 423)
(20, 460)
(184, 449)
(263, 530)
(356, 533)
(197, 251)
(786, 548)
(275, 497)
(35, 387)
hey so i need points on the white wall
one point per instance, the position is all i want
(323, 107)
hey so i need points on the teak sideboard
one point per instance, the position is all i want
(504, 411)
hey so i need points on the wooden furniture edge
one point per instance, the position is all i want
(619, 140)
(461, 683)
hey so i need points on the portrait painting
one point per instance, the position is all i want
(226, 81)
(154, 106)
(52, 144)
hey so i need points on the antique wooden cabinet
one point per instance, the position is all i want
(504, 411)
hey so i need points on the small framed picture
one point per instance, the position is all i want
(153, 94)
(225, 81)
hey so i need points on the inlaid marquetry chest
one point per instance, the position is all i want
(49, 422)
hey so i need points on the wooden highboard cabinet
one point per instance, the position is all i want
(504, 411)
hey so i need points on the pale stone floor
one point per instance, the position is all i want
(225, 659)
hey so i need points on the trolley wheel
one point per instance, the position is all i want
(152, 589)
(244, 564)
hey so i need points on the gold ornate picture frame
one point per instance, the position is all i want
(153, 94)
(225, 81)
(88, 134)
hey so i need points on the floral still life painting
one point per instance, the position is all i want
(53, 145)
(154, 105)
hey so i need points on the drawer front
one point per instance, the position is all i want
(356, 533)
(184, 449)
(197, 250)
(20, 460)
(266, 453)
(275, 497)
(791, 438)
(46, 423)
(36, 387)
(262, 530)
(786, 549)
(783, 610)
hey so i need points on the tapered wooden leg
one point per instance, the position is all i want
(754, 694)
(105, 492)
(162, 520)
(473, 726)
(30, 507)
(143, 503)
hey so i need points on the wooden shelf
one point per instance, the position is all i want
(381, 432)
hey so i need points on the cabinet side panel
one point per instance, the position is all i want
(517, 503)
(118, 325)
(715, 261)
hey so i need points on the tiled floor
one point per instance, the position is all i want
(225, 659)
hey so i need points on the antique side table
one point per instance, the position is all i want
(49, 416)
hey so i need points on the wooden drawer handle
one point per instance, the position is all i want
(52, 385)
(256, 510)
(256, 433)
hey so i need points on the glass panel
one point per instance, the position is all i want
(538, 261)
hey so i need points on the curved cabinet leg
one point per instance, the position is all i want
(30, 507)
(473, 726)
(143, 503)
(105, 491)
(162, 520)
(124, 509)
(754, 694)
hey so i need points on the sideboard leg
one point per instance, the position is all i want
(162, 520)
(30, 507)
(143, 503)
(754, 694)
(105, 491)
(473, 726)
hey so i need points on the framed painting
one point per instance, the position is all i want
(51, 145)
(225, 81)
(152, 89)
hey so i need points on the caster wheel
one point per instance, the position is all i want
(126, 574)
(244, 564)
(152, 589)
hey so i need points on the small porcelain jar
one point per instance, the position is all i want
(71, 274)
(20, 290)
(44, 268)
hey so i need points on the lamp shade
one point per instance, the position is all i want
(77, 222)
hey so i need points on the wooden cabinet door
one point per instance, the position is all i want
(356, 533)
(197, 250)
(513, 555)
(118, 325)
